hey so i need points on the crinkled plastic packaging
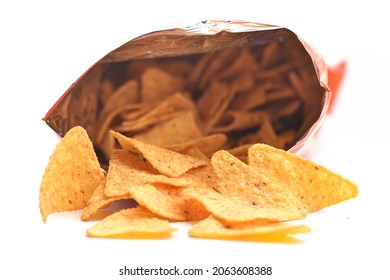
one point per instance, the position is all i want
(251, 82)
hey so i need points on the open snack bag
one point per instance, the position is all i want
(199, 124)
(250, 82)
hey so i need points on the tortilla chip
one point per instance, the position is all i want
(241, 193)
(167, 162)
(214, 229)
(239, 179)
(131, 223)
(316, 186)
(71, 176)
(239, 208)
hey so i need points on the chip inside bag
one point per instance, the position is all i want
(236, 81)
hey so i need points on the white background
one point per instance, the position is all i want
(45, 46)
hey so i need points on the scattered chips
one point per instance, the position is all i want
(226, 197)
(178, 137)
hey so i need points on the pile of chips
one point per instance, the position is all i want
(223, 197)
(200, 138)
(266, 93)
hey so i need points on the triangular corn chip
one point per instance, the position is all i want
(276, 232)
(167, 162)
(71, 176)
(131, 223)
(316, 186)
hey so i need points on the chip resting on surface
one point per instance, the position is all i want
(131, 223)
(71, 176)
(215, 229)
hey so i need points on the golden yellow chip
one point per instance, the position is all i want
(131, 223)
(242, 194)
(235, 208)
(250, 184)
(167, 162)
(316, 186)
(277, 232)
(71, 176)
